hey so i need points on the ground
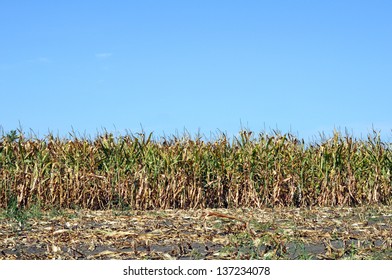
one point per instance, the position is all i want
(279, 233)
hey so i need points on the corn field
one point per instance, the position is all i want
(138, 172)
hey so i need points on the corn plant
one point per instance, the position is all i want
(140, 172)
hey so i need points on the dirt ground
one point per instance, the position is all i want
(313, 233)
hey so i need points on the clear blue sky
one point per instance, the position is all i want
(299, 66)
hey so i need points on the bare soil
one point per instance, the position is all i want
(285, 233)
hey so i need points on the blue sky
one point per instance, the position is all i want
(298, 66)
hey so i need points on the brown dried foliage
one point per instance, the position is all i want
(137, 172)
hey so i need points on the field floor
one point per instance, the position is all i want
(280, 233)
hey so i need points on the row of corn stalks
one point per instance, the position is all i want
(138, 172)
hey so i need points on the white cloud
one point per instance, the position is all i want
(103, 55)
